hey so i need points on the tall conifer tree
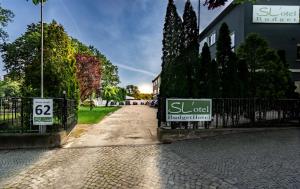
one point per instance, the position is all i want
(204, 71)
(213, 89)
(228, 62)
(172, 45)
(191, 48)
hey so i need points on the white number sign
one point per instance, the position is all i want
(42, 111)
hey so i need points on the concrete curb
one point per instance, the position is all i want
(32, 141)
(168, 136)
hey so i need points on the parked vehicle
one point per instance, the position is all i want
(135, 103)
(154, 103)
(127, 102)
(121, 103)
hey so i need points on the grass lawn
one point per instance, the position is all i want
(85, 116)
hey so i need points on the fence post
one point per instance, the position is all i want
(65, 111)
(22, 115)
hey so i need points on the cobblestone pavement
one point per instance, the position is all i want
(253, 160)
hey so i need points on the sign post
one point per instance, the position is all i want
(184, 110)
(42, 113)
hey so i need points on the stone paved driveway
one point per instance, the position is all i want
(248, 160)
(127, 126)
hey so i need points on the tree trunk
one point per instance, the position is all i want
(107, 101)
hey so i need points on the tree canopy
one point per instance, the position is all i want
(172, 47)
(22, 61)
(268, 75)
(6, 16)
(88, 75)
(217, 3)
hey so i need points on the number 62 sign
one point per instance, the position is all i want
(42, 111)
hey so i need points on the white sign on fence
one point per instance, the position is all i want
(42, 111)
(276, 14)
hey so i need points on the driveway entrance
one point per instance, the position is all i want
(130, 125)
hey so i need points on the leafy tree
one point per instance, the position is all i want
(253, 51)
(190, 49)
(88, 75)
(243, 79)
(37, 1)
(110, 93)
(290, 93)
(110, 74)
(172, 47)
(268, 75)
(133, 91)
(22, 61)
(6, 16)
(81, 48)
(217, 3)
(144, 96)
(9, 88)
(121, 94)
(228, 62)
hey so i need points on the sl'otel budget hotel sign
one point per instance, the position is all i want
(182, 110)
(276, 14)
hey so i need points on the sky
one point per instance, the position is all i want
(127, 32)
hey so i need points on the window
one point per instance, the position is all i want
(298, 52)
(212, 39)
(232, 37)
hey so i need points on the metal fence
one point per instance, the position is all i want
(231, 113)
(16, 115)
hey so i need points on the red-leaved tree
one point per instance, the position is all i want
(88, 75)
(217, 3)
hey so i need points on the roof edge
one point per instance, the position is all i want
(231, 6)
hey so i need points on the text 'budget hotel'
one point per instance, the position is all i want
(277, 21)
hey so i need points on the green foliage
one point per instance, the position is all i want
(9, 88)
(269, 76)
(133, 91)
(214, 81)
(121, 94)
(291, 88)
(38, 1)
(22, 61)
(243, 78)
(212, 4)
(204, 71)
(227, 60)
(113, 93)
(172, 47)
(180, 53)
(209, 80)
(143, 96)
(190, 51)
(6, 16)
(110, 74)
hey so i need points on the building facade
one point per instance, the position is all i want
(156, 86)
(277, 21)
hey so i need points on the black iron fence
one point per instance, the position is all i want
(230, 113)
(16, 115)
